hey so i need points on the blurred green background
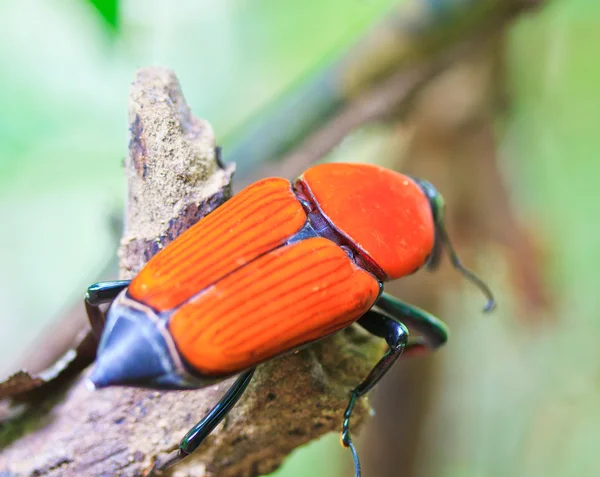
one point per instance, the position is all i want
(516, 393)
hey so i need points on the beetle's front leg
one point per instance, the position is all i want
(98, 294)
(202, 430)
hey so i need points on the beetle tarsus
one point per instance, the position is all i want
(200, 431)
(172, 459)
(346, 439)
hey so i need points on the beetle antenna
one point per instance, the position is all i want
(435, 257)
(437, 204)
(468, 274)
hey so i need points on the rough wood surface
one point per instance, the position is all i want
(173, 180)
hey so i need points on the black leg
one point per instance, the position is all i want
(200, 431)
(396, 336)
(386, 320)
(98, 294)
(432, 332)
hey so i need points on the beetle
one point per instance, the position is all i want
(279, 266)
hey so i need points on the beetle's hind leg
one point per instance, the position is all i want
(101, 293)
(201, 431)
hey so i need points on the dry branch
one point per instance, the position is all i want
(173, 180)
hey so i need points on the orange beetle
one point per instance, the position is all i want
(277, 267)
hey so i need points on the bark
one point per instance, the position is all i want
(173, 180)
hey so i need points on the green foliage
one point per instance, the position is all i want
(109, 10)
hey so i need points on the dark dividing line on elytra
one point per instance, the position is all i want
(287, 262)
(192, 249)
(279, 213)
(190, 300)
(238, 331)
(186, 262)
(219, 337)
(231, 305)
(270, 266)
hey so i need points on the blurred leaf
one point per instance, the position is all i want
(109, 9)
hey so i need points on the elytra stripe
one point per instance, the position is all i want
(242, 201)
(255, 221)
(219, 249)
(287, 272)
(215, 235)
(291, 296)
(279, 298)
(290, 326)
(254, 304)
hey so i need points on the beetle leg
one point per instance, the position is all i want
(200, 431)
(386, 321)
(433, 332)
(396, 336)
(98, 294)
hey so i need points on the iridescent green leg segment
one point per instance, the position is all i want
(101, 293)
(432, 331)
